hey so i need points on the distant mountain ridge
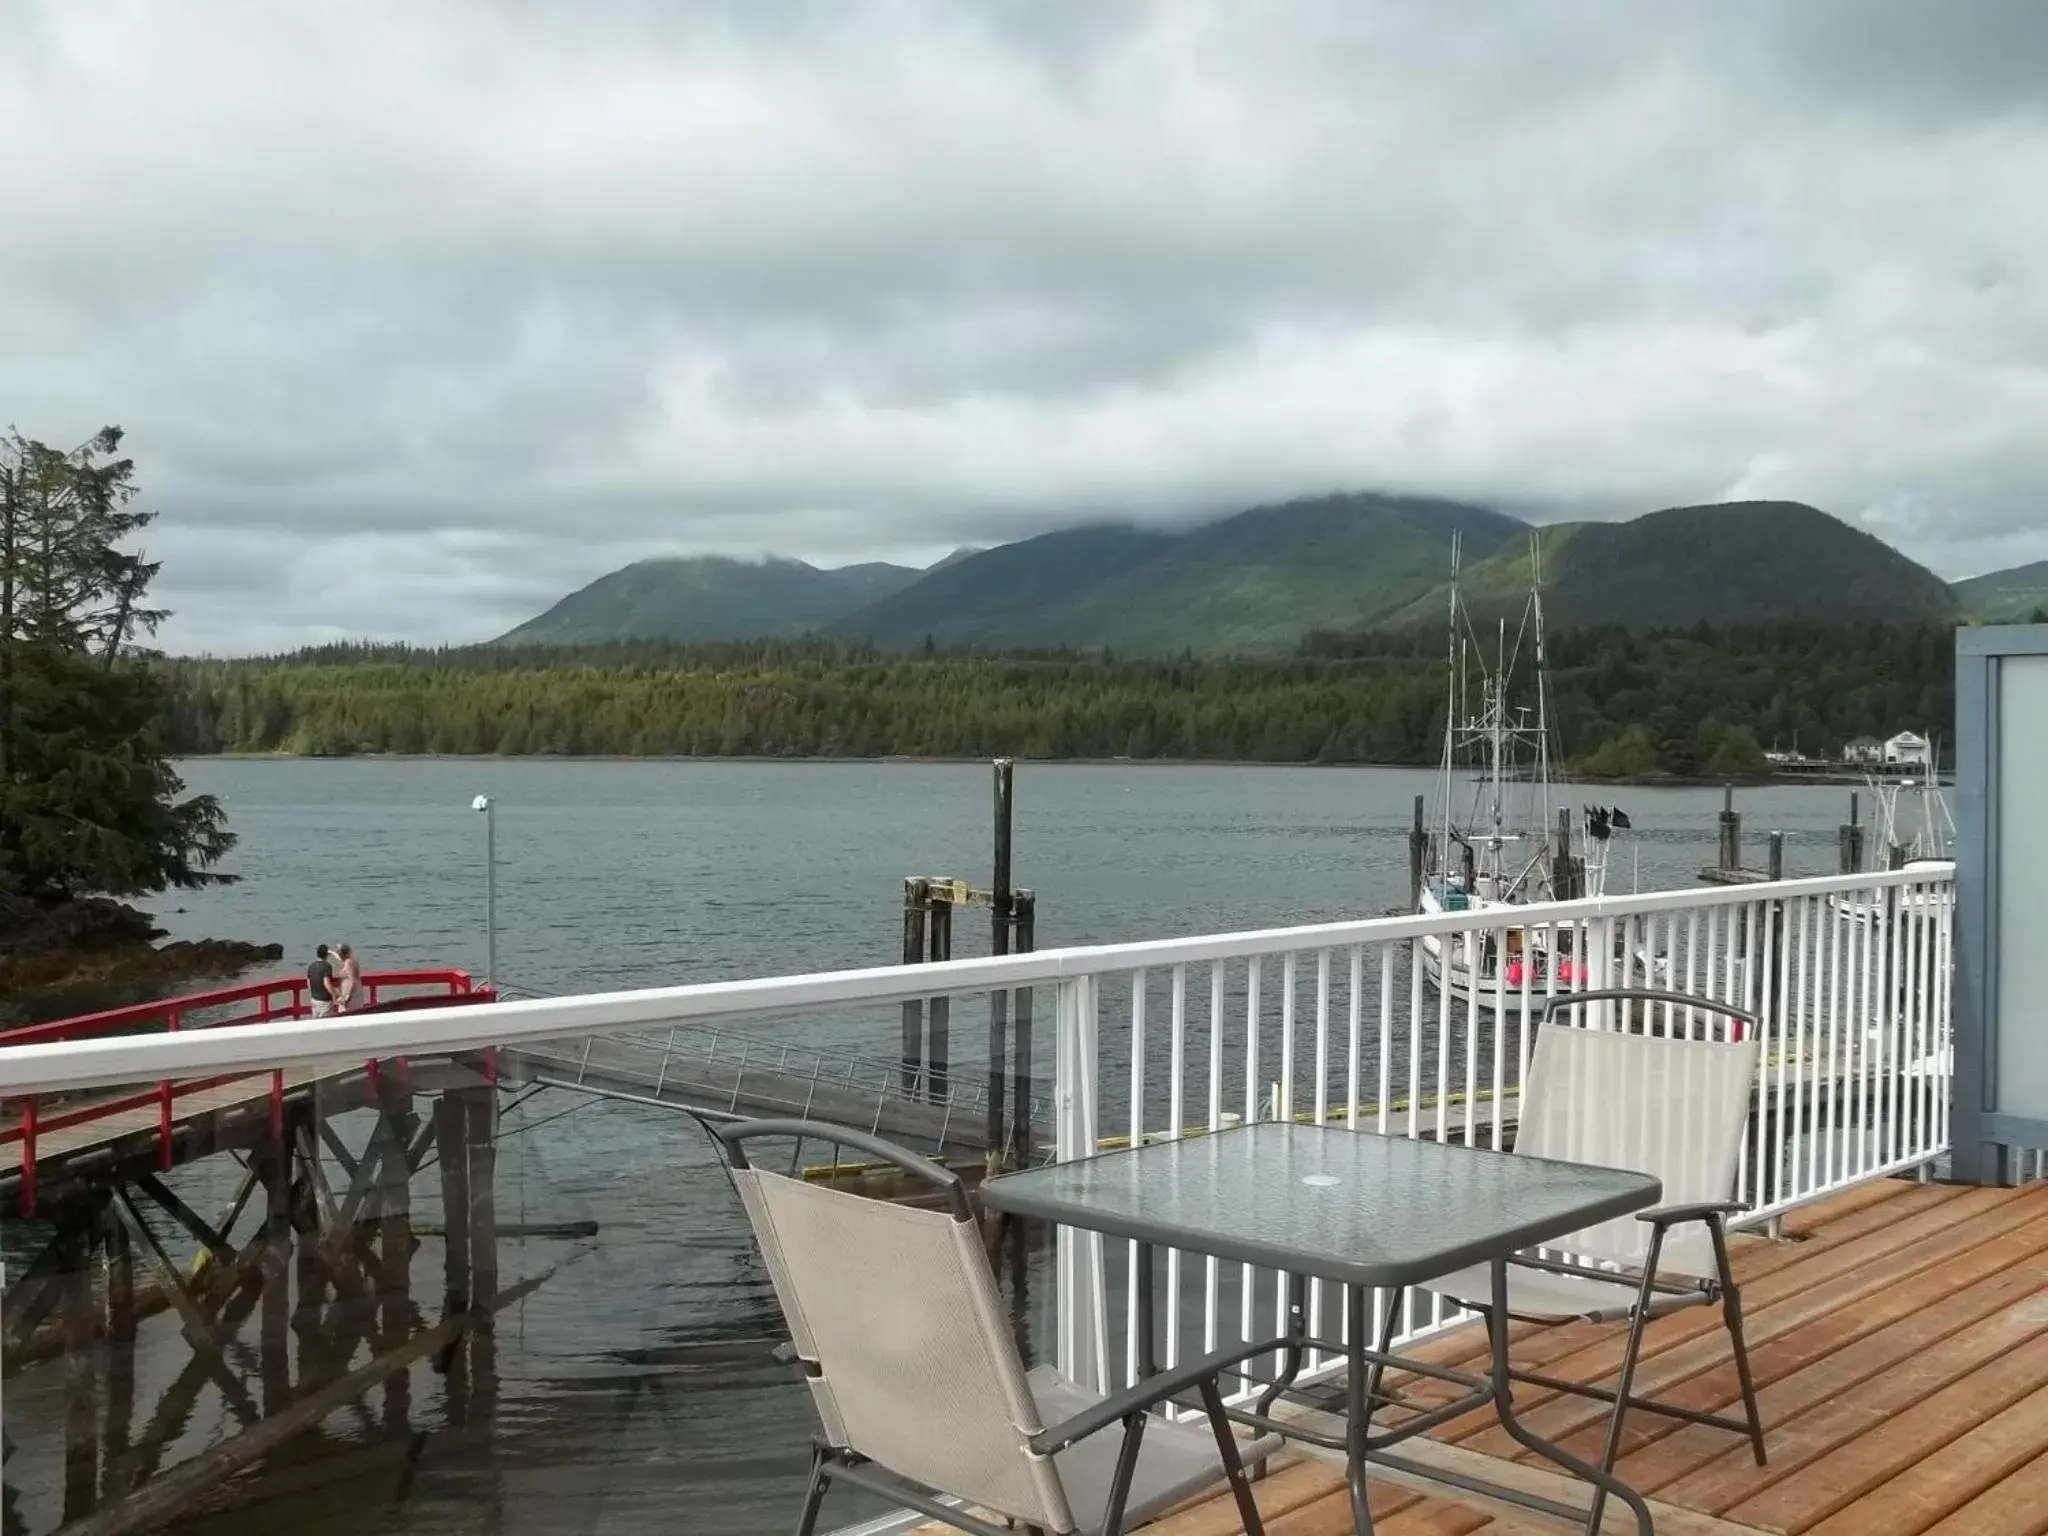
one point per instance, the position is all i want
(708, 598)
(1258, 582)
(2006, 597)
(1723, 563)
(1252, 583)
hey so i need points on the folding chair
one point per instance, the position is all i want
(1663, 1105)
(916, 1377)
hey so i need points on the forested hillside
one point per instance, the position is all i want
(1741, 562)
(1689, 702)
(710, 599)
(1252, 584)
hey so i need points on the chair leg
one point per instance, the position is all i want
(1233, 1463)
(815, 1495)
(1126, 1469)
(1731, 1313)
(1629, 1357)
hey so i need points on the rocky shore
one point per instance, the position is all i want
(77, 956)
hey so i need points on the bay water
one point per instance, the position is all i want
(635, 1390)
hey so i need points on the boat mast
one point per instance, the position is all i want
(1453, 675)
(1497, 747)
(1542, 679)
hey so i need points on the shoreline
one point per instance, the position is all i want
(1645, 781)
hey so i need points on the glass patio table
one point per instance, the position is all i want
(1360, 1210)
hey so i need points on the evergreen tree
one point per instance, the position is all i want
(89, 802)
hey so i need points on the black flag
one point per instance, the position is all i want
(1620, 819)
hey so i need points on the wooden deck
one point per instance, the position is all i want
(1899, 1334)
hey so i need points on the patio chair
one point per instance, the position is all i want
(914, 1369)
(1663, 1105)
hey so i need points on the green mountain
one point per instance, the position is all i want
(1728, 563)
(710, 598)
(1249, 584)
(1259, 582)
(2006, 597)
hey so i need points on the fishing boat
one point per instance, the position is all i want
(1510, 847)
(1918, 833)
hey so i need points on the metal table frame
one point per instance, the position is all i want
(1364, 1367)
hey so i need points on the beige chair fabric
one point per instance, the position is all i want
(1670, 1107)
(909, 1346)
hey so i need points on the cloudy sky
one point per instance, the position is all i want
(420, 314)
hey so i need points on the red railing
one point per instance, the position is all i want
(284, 998)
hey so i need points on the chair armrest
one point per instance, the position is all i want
(1149, 1393)
(1704, 1210)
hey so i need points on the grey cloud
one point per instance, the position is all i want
(459, 305)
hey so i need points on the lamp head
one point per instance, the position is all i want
(480, 803)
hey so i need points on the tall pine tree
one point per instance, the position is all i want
(89, 801)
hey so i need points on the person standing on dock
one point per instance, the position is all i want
(320, 983)
(348, 989)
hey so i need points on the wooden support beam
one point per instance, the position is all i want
(422, 1141)
(273, 1165)
(80, 1232)
(338, 1147)
(121, 1324)
(199, 1332)
(482, 1107)
(204, 1276)
(174, 1408)
(451, 1138)
(29, 1300)
(316, 1173)
(157, 1501)
(183, 1215)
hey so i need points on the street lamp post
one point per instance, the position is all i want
(485, 804)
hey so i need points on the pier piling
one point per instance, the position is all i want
(1418, 856)
(1001, 915)
(1849, 838)
(1731, 831)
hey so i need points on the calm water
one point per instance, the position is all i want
(634, 1390)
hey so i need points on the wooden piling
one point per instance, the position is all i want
(451, 1144)
(916, 898)
(1020, 1071)
(80, 1226)
(394, 1253)
(1001, 916)
(1730, 853)
(1418, 855)
(481, 1106)
(121, 1322)
(939, 1023)
(274, 1163)
(1849, 838)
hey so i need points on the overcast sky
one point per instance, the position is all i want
(420, 314)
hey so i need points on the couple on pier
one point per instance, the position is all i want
(334, 981)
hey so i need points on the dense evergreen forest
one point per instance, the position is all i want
(1700, 701)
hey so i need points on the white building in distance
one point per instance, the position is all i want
(1908, 749)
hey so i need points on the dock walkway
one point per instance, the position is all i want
(1899, 1334)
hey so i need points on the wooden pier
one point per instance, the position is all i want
(324, 1265)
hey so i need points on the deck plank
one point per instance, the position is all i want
(1931, 1490)
(1915, 1209)
(2017, 1506)
(1834, 1418)
(1679, 1346)
(1842, 1353)
(1878, 1443)
(1901, 1349)
(1287, 1489)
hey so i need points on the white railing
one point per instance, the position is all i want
(1338, 1022)
(1848, 978)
